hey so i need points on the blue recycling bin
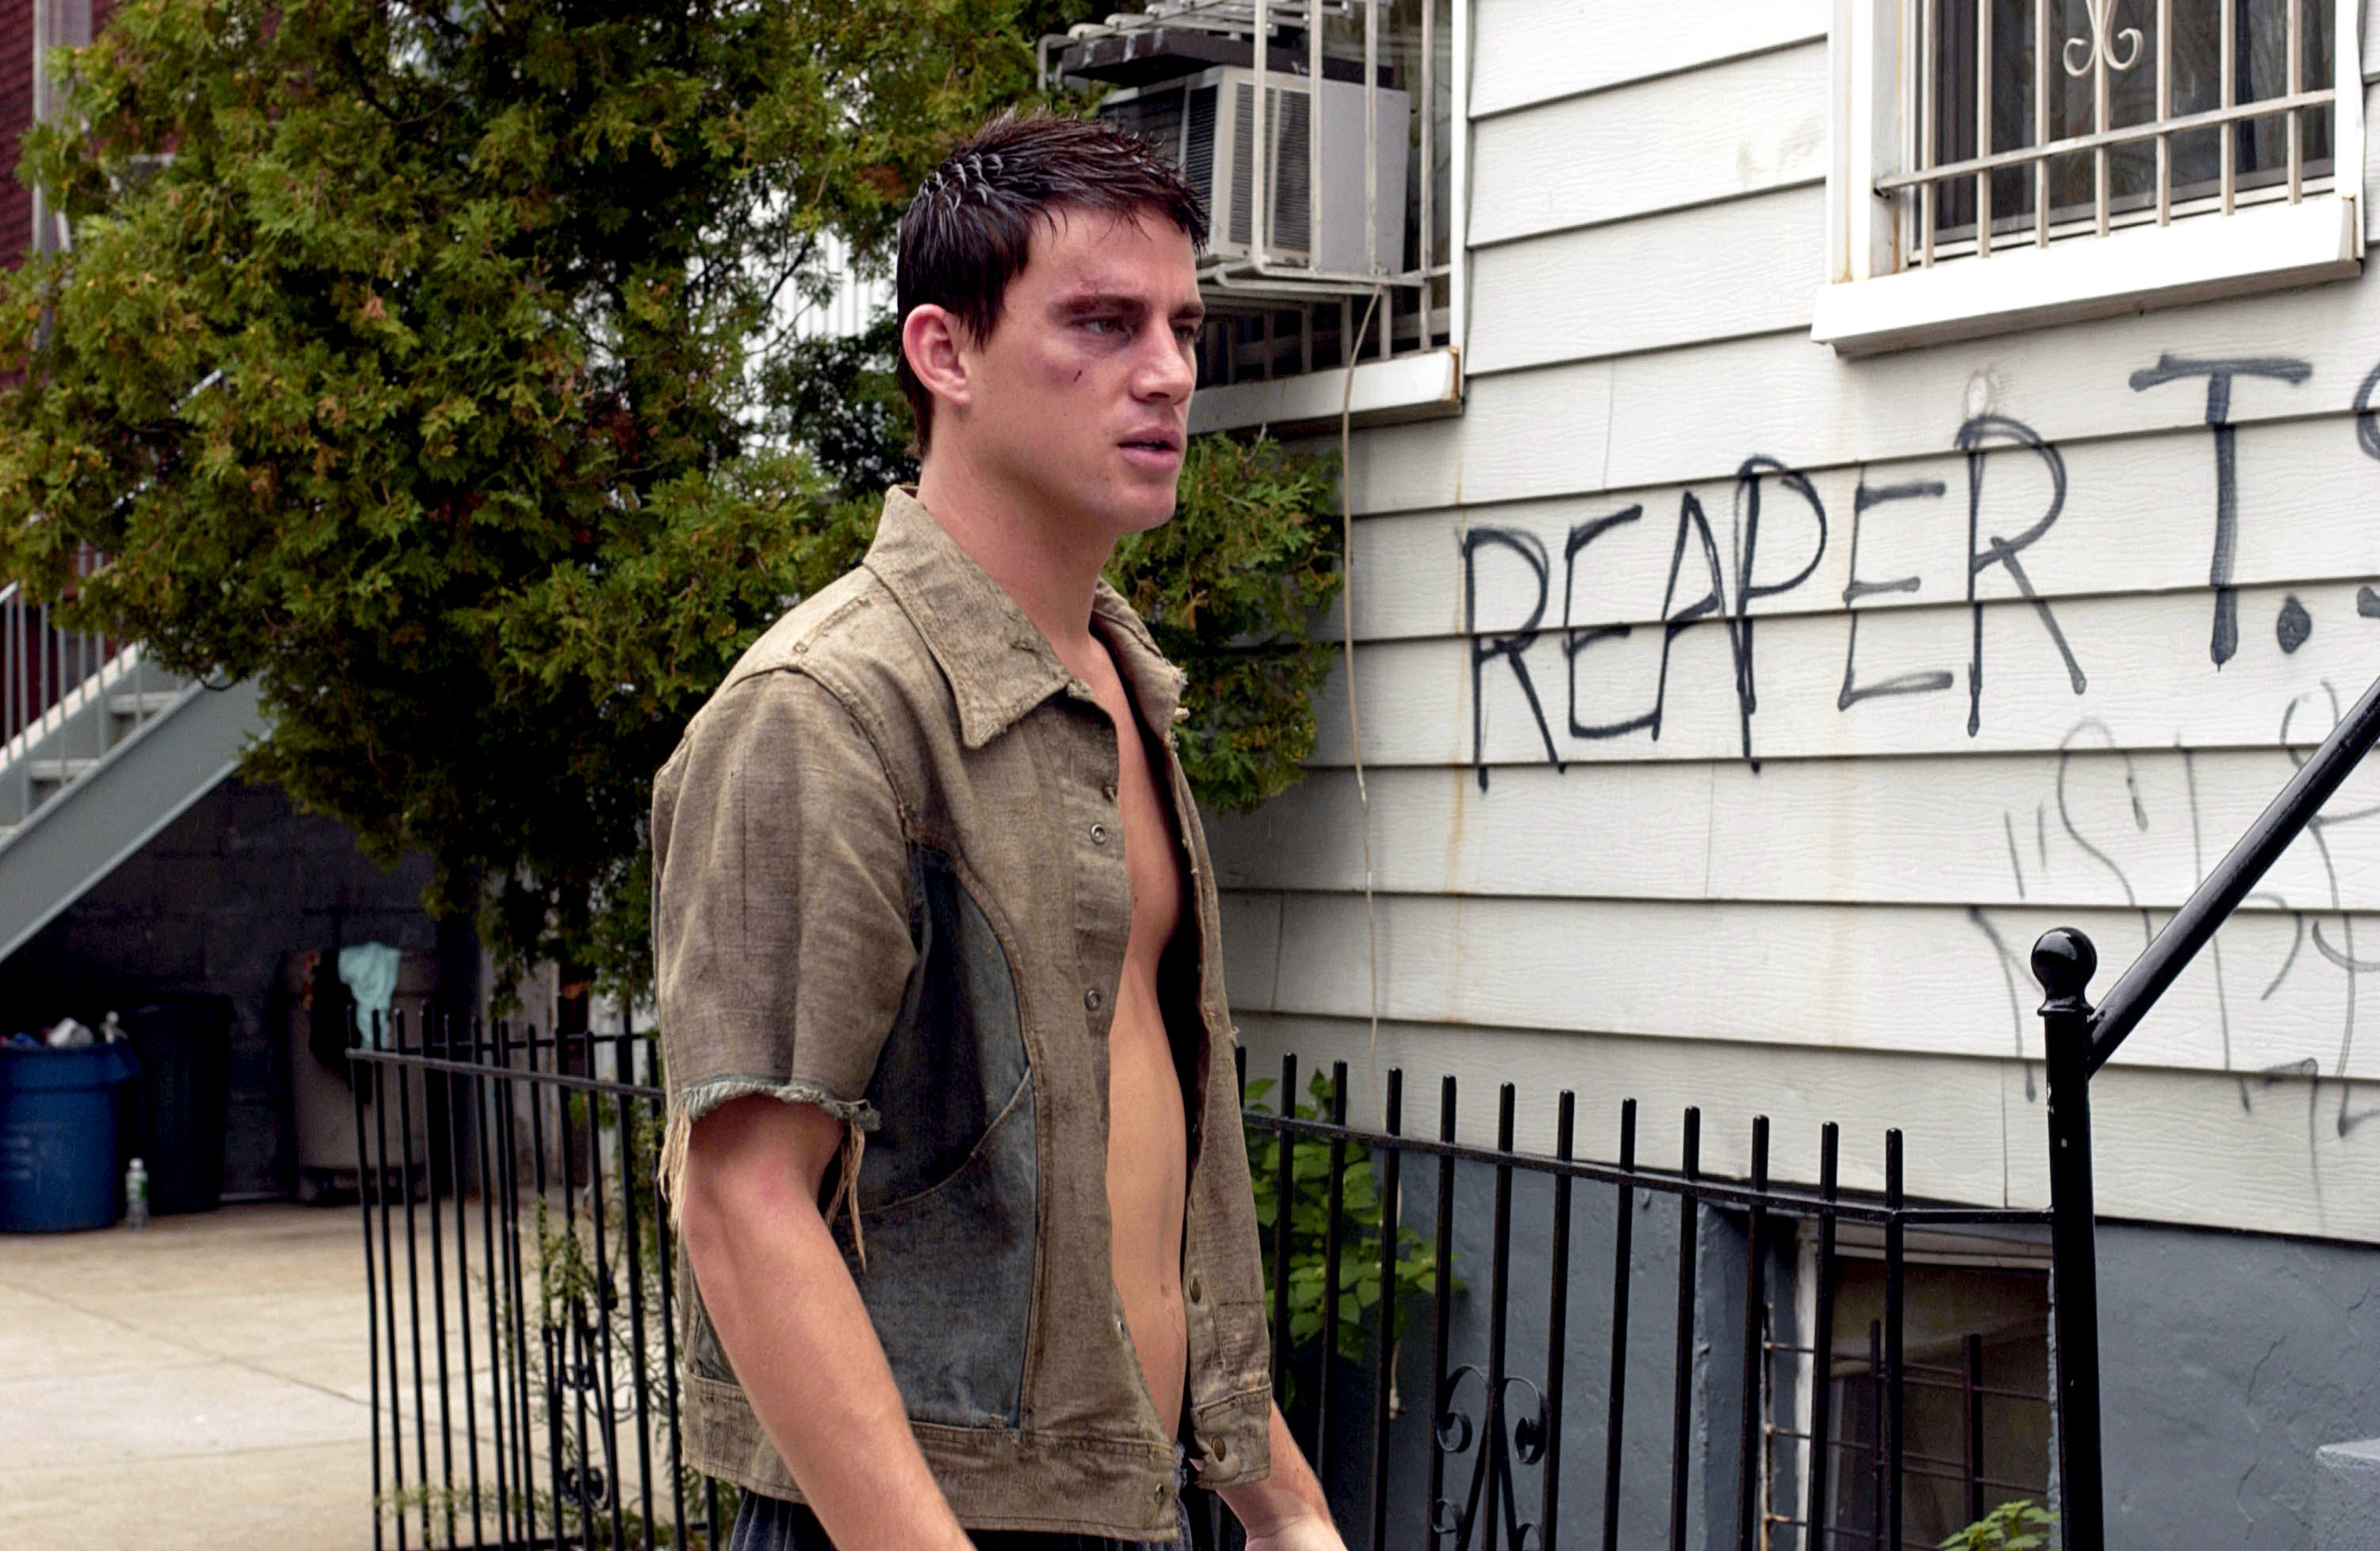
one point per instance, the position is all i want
(57, 1137)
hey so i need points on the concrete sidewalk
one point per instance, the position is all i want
(203, 1385)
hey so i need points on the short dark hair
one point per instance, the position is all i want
(970, 227)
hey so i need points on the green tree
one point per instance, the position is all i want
(418, 360)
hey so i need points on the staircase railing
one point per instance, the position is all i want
(2078, 1039)
(68, 697)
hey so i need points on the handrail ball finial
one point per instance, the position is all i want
(2064, 961)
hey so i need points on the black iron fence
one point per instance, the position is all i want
(523, 1370)
(1597, 1354)
(1746, 1452)
(524, 1358)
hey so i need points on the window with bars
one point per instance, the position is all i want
(1980, 130)
(2208, 104)
(1975, 1398)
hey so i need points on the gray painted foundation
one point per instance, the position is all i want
(2228, 1361)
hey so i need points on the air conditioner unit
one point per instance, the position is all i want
(1207, 122)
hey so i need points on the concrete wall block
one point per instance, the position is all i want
(133, 886)
(197, 831)
(2347, 1496)
(2226, 1360)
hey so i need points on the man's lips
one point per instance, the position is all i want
(1158, 452)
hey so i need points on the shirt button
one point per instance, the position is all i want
(1195, 1289)
(1107, 790)
(1098, 834)
(1091, 999)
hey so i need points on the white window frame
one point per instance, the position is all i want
(1877, 298)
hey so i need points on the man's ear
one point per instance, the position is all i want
(932, 339)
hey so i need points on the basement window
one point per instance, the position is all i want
(1975, 1425)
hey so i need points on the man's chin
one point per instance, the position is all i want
(1137, 508)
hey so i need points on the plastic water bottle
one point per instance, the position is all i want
(136, 1194)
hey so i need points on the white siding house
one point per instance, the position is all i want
(1715, 752)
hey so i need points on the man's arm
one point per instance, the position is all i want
(792, 1323)
(1286, 1511)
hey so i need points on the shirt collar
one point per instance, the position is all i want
(998, 662)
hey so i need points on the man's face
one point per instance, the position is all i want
(1079, 398)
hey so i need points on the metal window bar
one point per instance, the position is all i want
(2040, 123)
(2105, 49)
(1928, 29)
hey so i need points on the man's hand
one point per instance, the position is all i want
(1286, 1511)
(792, 1323)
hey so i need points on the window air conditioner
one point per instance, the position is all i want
(1207, 122)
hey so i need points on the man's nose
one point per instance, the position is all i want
(1167, 371)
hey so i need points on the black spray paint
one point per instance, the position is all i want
(1973, 440)
(2218, 374)
(1730, 606)
(1865, 500)
(1484, 649)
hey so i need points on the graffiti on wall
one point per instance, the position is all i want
(1529, 641)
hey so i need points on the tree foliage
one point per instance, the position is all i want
(424, 362)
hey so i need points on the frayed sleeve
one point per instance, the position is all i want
(782, 939)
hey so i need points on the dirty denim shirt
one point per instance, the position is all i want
(889, 880)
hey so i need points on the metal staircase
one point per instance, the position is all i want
(102, 749)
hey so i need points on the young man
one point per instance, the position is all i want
(954, 1139)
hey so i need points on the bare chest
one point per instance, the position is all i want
(1145, 815)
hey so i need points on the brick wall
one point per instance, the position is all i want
(16, 114)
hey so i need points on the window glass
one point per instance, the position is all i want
(2128, 60)
(1975, 1349)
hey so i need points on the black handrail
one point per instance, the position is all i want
(2246, 863)
(2077, 1042)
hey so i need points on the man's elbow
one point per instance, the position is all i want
(751, 1164)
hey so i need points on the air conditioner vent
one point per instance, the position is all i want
(1199, 143)
(1212, 118)
(1243, 150)
(1155, 116)
(1290, 114)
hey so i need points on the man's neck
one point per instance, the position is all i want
(1048, 567)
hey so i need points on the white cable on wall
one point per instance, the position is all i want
(1352, 349)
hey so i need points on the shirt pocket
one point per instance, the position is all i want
(948, 1278)
(949, 1188)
